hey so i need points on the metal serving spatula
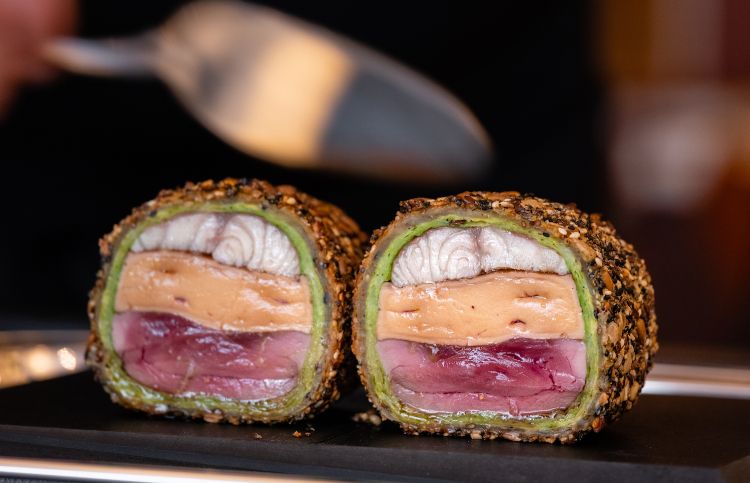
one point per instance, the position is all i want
(295, 94)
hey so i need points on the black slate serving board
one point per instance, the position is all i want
(662, 439)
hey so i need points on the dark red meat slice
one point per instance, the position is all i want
(174, 355)
(517, 377)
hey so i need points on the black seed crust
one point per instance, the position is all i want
(622, 294)
(337, 243)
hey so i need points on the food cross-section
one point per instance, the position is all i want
(226, 301)
(502, 315)
(481, 319)
(215, 304)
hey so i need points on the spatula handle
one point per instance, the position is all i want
(108, 57)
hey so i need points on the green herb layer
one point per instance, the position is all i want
(407, 414)
(265, 409)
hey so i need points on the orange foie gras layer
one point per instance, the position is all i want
(487, 309)
(213, 294)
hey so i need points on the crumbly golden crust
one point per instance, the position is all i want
(338, 245)
(622, 294)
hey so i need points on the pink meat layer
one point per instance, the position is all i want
(517, 377)
(174, 355)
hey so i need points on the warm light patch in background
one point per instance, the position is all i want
(678, 74)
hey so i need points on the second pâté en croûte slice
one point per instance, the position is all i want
(502, 315)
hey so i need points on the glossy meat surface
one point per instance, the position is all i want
(174, 355)
(517, 377)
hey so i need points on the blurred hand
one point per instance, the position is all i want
(24, 27)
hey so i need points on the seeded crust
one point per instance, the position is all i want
(622, 294)
(338, 245)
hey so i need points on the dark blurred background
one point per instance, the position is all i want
(638, 110)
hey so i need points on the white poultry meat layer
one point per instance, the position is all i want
(237, 240)
(456, 253)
